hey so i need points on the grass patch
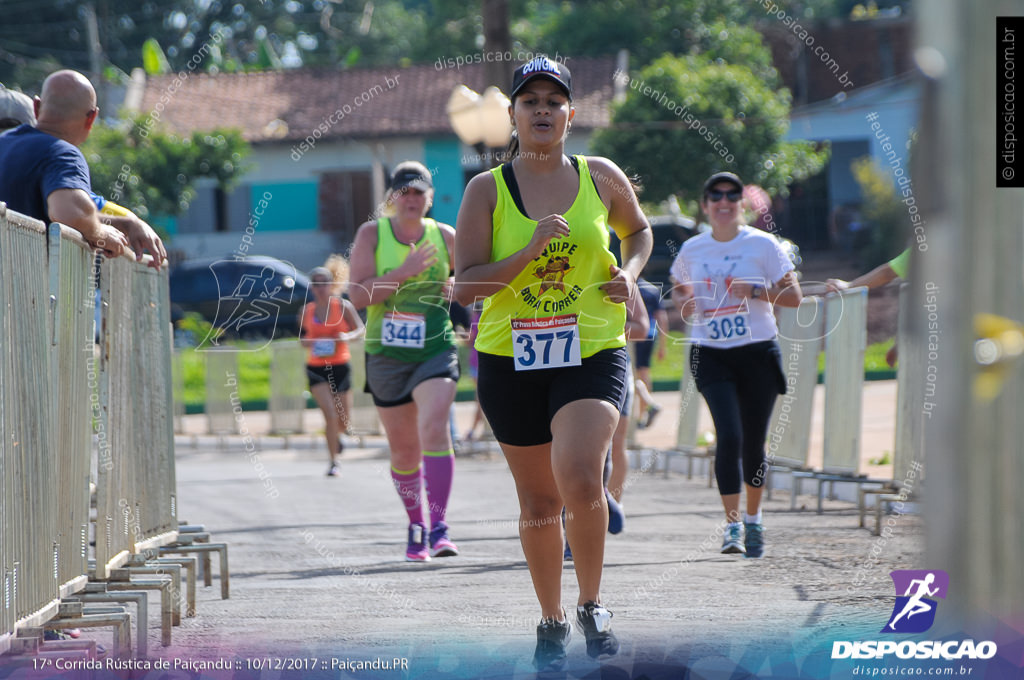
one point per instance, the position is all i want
(884, 459)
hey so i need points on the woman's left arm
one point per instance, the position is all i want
(786, 291)
(629, 223)
(637, 322)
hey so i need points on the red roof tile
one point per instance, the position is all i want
(382, 102)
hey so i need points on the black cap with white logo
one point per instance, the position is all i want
(542, 67)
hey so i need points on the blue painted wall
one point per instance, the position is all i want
(843, 185)
(288, 206)
(845, 123)
(444, 160)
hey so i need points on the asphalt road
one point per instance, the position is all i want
(317, 572)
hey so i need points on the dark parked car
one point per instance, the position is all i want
(255, 297)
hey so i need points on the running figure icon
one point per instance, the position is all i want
(915, 605)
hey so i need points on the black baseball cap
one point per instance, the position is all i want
(542, 67)
(729, 177)
(411, 175)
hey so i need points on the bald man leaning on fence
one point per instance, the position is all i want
(45, 176)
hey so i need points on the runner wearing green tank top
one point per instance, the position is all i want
(532, 240)
(401, 272)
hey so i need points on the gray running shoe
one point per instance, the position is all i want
(595, 622)
(732, 542)
(552, 639)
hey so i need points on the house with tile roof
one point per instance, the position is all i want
(323, 143)
(324, 140)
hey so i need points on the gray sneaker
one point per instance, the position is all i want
(732, 542)
(595, 622)
(552, 639)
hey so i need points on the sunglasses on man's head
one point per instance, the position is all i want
(715, 195)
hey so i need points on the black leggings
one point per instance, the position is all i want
(740, 385)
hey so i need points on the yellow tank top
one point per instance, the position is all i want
(563, 282)
(413, 323)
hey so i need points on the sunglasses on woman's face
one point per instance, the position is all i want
(733, 195)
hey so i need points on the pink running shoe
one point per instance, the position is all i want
(417, 548)
(440, 544)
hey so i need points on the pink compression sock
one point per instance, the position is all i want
(439, 468)
(409, 485)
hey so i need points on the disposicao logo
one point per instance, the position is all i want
(914, 612)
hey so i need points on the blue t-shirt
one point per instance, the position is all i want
(34, 164)
(650, 294)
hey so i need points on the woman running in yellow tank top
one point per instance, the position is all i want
(532, 238)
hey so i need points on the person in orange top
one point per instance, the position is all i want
(326, 326)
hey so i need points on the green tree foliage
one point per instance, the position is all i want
(728, 43)
(684, 118)
(651, 28)
(153, 174)
(647, 28)
(407, 32)
(39, 36)
(886, 215)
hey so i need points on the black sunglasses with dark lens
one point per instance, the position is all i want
(733, 195)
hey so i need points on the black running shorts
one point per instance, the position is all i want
(519, 405)
(337, 376)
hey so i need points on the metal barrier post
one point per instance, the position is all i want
(221, 389)
(72, 260)
(911, 392)
(789, 431)
(178, 391)
(845, 342)
(287, 401)
(7, 557)
(156, 517)
(689, 405)
(115, 472)
(363, 420)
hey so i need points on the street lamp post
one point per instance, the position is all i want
(481, 121)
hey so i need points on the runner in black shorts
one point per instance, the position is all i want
(550, 341)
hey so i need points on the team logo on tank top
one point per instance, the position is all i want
(553, 273)
(550, 270)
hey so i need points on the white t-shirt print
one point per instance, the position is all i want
(711, 266)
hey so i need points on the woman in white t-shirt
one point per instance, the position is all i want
(727, 281)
